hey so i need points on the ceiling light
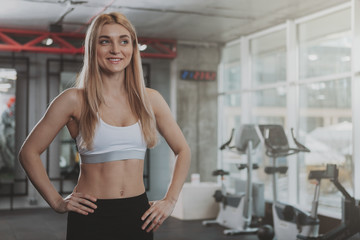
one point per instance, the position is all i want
(47, 41)
(142, 47)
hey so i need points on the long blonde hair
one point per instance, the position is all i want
(90, 81)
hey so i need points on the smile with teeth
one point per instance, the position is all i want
(114, 60)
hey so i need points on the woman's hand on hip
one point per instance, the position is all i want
(158, 212)
(76, 202)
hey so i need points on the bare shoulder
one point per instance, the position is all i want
(155, 98)
(159, 105)
(71, 99)
(152, 92)
(154, 95)
(72, 94)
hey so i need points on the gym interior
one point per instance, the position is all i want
(285, 75)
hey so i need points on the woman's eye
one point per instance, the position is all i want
(124, 42)
(104, 41)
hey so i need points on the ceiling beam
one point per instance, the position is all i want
(16, 40)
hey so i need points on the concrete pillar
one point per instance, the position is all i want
(197, 107)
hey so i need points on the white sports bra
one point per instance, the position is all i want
(113, 143)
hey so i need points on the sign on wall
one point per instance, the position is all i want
(198, 75)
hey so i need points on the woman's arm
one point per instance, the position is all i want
(170, 130)
(60, 111)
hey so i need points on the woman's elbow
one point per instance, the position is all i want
(187, 152)
(183, 153)
(21, 156)
(188, 149)
(24, 155)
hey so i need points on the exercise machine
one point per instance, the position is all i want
(289, 221)
(350, 220)
(236, 210)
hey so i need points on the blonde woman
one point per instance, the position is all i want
(113, 118)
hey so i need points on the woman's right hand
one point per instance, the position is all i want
(76, 202)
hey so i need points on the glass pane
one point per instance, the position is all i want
(325, 45)
(268, 54)
(231, 113)
(326, 129)
(270, 108)
(270, 98)
(231, 54)
(231, 118)
(232, 77)
(7, 123)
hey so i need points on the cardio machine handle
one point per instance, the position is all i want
(242, 166)
(300, 146)
(220, 172)
(331, 173)
(229, 141)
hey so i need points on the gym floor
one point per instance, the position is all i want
(45, 224)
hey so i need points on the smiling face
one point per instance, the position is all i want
(114, 48)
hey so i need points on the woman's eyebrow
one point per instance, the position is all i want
(121, 36)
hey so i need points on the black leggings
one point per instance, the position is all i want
(114, 219)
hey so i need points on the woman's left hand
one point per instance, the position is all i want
(156, 214)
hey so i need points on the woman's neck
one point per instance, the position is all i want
(113, 83)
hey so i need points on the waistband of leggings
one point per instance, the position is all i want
(115, 203)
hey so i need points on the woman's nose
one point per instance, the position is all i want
(115, 49)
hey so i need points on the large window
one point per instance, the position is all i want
(230, 102)
(268, 54)
(325, 45)
(268, 67)
(325, 103)
(230, 88)
(325, 121)
(232, 68)
(299, 76)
